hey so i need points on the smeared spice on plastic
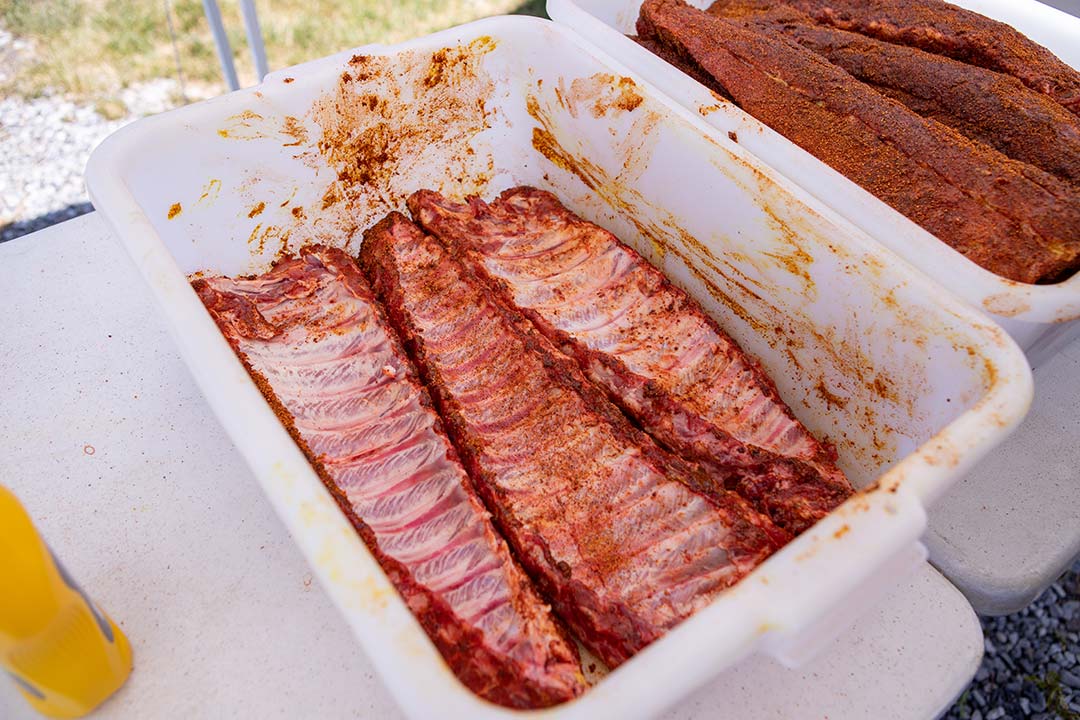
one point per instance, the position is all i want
(392, 120)
(600, 93)
(210, 190)
(831, 398)
(250, 125)
(286, 201)
(260, 235)
(292, 128)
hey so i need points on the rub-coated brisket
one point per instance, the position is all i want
(321, 352)
(601, 517)
(984, 105)
(1012, 218)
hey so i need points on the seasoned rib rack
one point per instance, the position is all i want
(984, 105)
(943, 28)
(646, 343)
(321, 352)
(605, 521)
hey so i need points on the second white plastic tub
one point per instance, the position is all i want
(1042, 318)
(911, 385)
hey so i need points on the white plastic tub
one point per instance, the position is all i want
(911, 384)
(1041, 318)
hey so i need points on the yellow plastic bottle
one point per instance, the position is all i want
(64, 653)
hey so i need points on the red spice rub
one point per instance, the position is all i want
(984, 105)
(942, 28)
(688, 67)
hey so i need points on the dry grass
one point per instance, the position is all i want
(91, 49)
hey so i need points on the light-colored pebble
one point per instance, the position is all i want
(44, 146)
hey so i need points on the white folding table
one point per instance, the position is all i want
(108, 443)
(1011, 527)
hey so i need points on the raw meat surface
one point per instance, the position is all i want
(649, 345)
(1009, 217)
(603, 520)
(320, 350)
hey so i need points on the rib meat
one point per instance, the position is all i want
(1012, 218)
(984, 105)
(942, 28)
(320, 350)
(603, 520)
(646, 343)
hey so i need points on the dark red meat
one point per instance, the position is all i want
(320, 350)
(603, 520)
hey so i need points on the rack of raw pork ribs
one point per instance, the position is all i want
(537, 435)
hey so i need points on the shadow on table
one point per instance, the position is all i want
(25, 227)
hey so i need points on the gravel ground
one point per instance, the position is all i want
(44, 146)
(45, 143)
(1031, 667)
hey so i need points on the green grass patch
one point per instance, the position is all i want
(1055, 696)
(92, 48)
